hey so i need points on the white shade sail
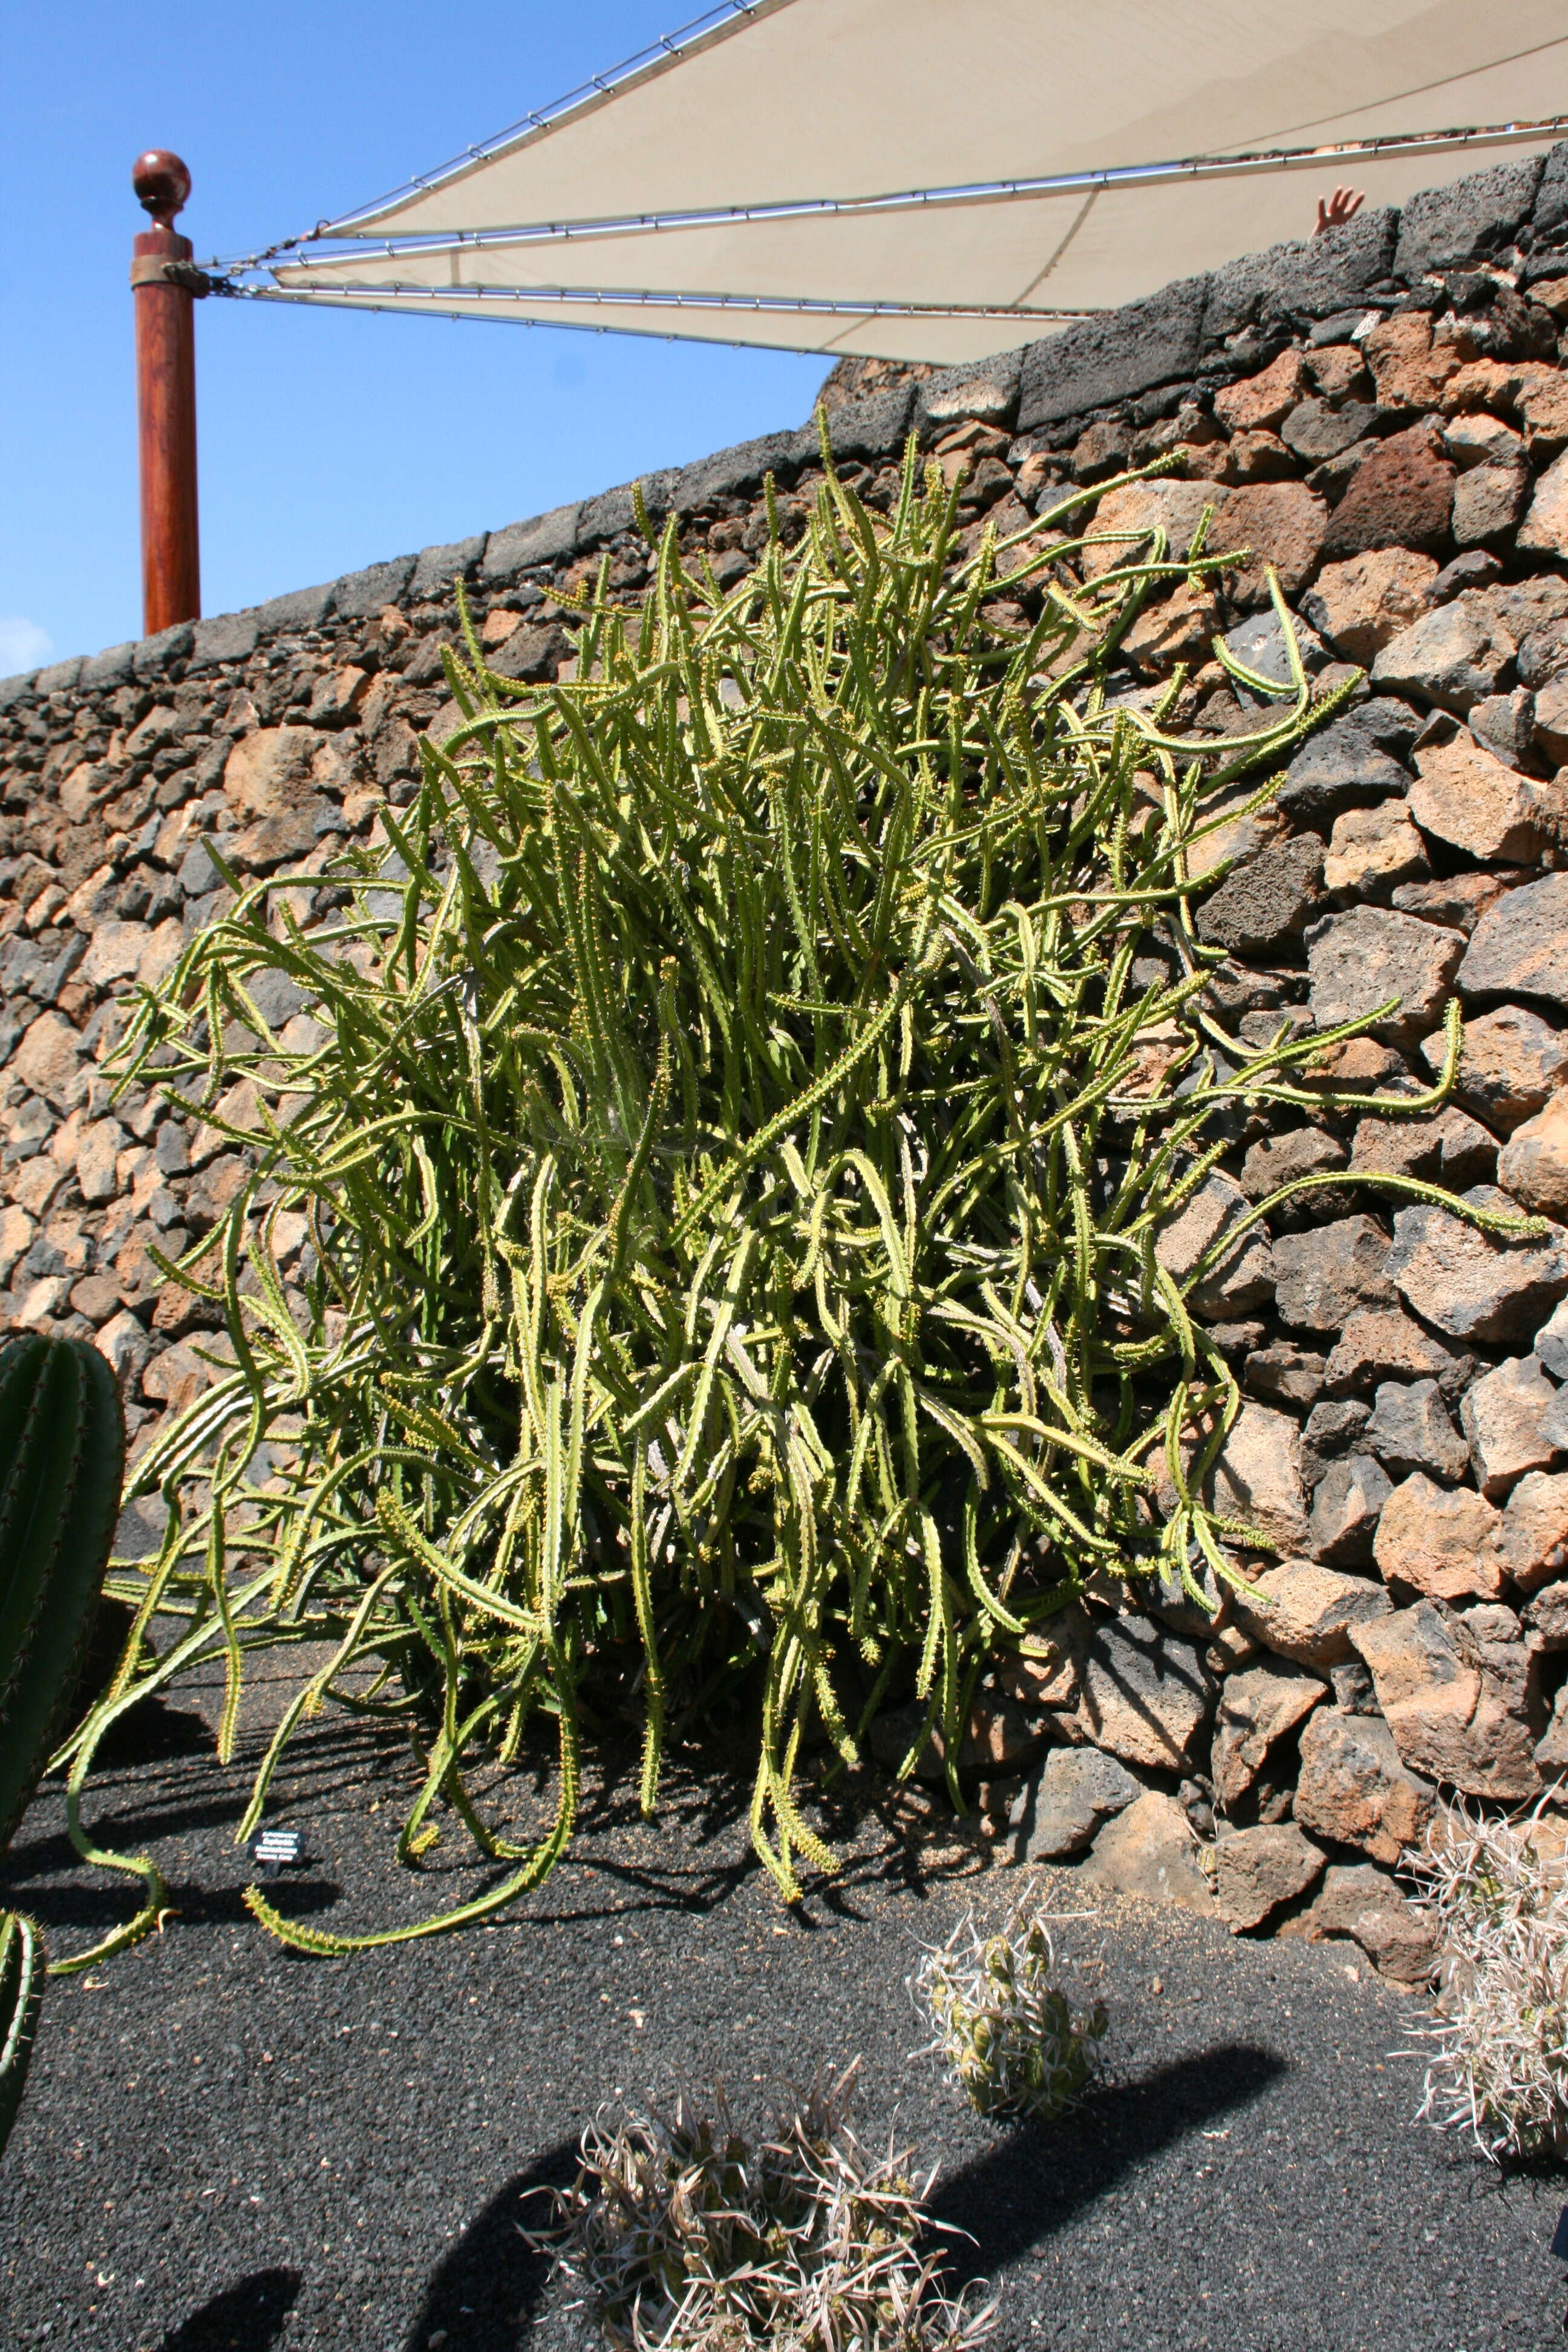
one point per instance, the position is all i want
(941, 179)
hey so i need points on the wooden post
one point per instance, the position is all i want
(166, 398)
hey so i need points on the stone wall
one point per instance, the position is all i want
(1383, 414)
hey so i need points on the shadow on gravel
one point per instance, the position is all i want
(44, 1856)
(94, 1909)
(1037, 2179)
(152, 1732)
(248, 2318)
(486, 2292)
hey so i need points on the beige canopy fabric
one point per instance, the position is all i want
(941, 179)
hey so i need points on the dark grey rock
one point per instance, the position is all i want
(1333, 477)
(197, 913)
(1360, 960)
(1322, 1275)
(1549, 211)
(1517, 1421)
(1259, 643)
(1146, 1693)
(1410, 1430)
(275, 997)
(1283, 1375)
(358, 595)
(58, 678)
(1353, 1693)
(1443, 229)
(1316, 430)
(1064, 1803)
(1157, 341)
(1166, 1597)
(1474, 1285)
(196, 873)
(154, 653)
(871, 428)
(436, 568)
(1318, 276)
(1519, 946)
(1337, 328)
(113, 666)
(1505, 724)
(1347, 1503)
(1279, 1159)
(1547, 1614)
(531, 653)
(1542, 651)
(1551, 1342)
(56, 969)
(1388, 722)
(1268, 901)
(738, 472)
(1452, 656)
(1258, 1706)
(18, 688)
(1238, 988)
(538, 541)
(301, 609)
(1524, 606)
(1237, 1340)
(1382, 1343)
(1474, 569)
(1345, 765)
(1488, 502)
(612, 512)
(226, 637)
(22, 961)
(986, 391)
(1238, 1278)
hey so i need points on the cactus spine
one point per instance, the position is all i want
(62, 1459)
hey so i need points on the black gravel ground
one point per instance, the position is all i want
(227, 2148)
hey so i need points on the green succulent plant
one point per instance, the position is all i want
(699, 1239)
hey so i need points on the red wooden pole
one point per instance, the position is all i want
(165, 399)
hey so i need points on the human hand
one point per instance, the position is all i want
(1335, 210)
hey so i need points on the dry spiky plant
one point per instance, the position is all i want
(1011, 2037)
(679, 2232)
(1500, 2065)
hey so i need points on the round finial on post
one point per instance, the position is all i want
(163, 301)
(163, 183)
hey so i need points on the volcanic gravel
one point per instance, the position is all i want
(227, 2148)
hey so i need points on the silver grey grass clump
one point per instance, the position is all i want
(1498, 2063)
(679, 2232)
(1008, 2032)
(696, 1251)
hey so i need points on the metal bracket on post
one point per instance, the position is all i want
(147, 271)
(165, 284)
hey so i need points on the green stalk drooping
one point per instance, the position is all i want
(728, 1123)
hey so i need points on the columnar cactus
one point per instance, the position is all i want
(21, 1990)
(62, 1459)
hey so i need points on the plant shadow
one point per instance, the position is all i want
(248, 2318)
(1037, 2176)
(95, 1910)
(487, 2291)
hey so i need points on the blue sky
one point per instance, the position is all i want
(326, 441)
